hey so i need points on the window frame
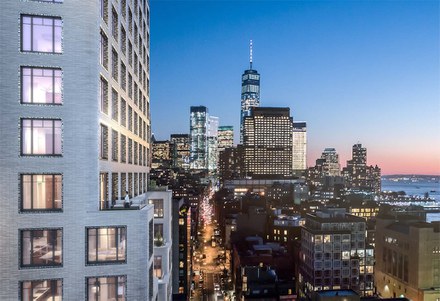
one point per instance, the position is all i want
(53, 209)
(87, 280)
(53, 69)
(53, 154)
(53, 18)
(52, 285)
(105, 262)
(20, 255)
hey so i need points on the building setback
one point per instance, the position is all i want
(76, 136)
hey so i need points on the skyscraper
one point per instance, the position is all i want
(225, 137)
(331, 166)
(76, 136)
(250, 92)
(360, 176)
(299, 147)
(267, 141)
(212, 143)
(180, 150)
(198, 136)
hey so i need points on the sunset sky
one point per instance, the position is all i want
(355, 71)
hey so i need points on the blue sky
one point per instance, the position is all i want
(356, 71)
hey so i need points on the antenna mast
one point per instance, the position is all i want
(250, 55)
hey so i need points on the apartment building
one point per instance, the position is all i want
(75, 135)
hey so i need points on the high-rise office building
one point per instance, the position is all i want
(331, 166)
(250, 92)
(76, 136)
(267, 141)
(198, 136)
(299, 141)
(160, 153)
(360, 176)
(407, 258)
(212, 143)
(180, 153)
(225, 137)
(334, 253)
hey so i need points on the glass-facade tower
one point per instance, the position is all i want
(250, 92)
(198, 137)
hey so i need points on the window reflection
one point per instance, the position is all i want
(41, 85)
(41, 34)
(41, 137)
(41, 247)
(42, 290)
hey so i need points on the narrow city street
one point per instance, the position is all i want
(209, 258)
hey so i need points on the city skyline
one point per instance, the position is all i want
(377, 80)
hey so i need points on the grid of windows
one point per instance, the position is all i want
(41, 192)
(48, 290)
(41, 34)
(41, 137)
(106, 288)
(41, 247)
(41, 85)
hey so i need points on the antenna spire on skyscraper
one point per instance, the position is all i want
(250, 55)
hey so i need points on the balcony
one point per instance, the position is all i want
(136, 203)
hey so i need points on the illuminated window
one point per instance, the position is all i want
(41, 137)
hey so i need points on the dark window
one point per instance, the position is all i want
(47, 290)
(41, 85)
(106, 244)
(41, 192)
(123, 77)
(115, 63)
(103, 149)
(115, 24)
(123, 112)
(41, 137)
(130, 151)
(106, 288)
(115, 144)
(123, 40)
(123, 149)
(104, 96)
(41, 247)
(41, 34)
(104, 10)
(115, 105)
(103, 54)
(115, 187)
